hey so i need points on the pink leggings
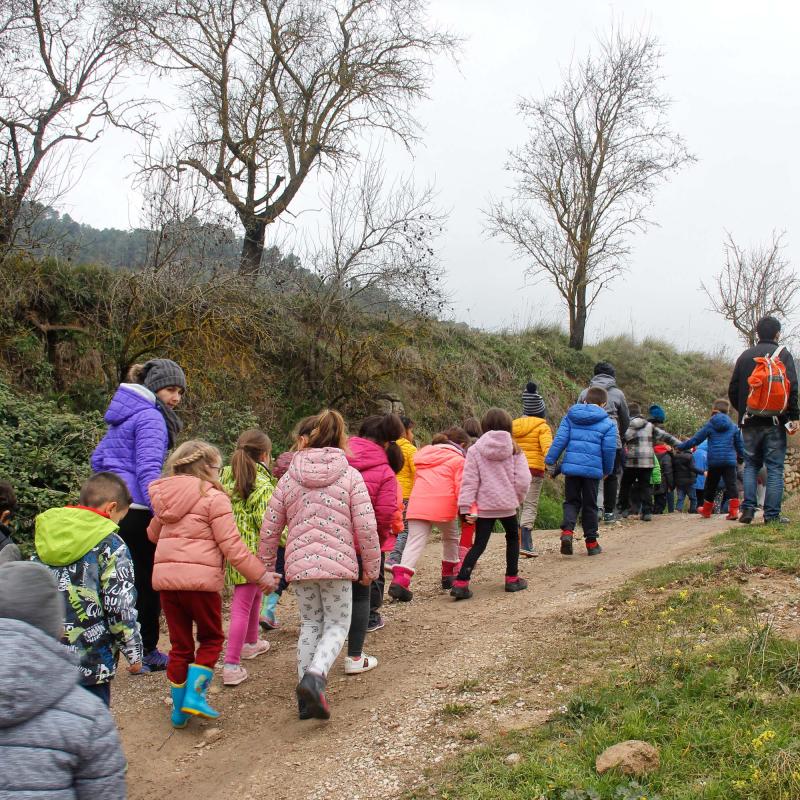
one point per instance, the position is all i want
(245, 609)
(418, 532)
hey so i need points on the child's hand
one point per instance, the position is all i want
(136, 668)
(269, 581)
(470, 519)
(365, 580)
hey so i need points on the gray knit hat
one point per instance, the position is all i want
(533, 402)
(158, 373)
(29, 593)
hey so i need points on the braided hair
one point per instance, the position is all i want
(195, 457)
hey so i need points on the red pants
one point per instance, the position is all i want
(182, 609)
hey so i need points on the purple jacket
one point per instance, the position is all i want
(495, 477)
(136, 442)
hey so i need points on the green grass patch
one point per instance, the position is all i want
(769, 546)
(457, 709)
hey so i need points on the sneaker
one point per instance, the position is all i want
(375, 623)
(355, 666)
(516, 586)
(311, 692)
(777, 521)
(747, 515)
(254, 650)
(647, 517)
(529, 552)
(461, 592)
(566, 544)
(624, 514)
(233, 674)
(609, 516)
(593, 548)
(155, 660)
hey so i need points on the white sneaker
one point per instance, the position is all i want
(233, 674)
(254, 650)
(355, 666)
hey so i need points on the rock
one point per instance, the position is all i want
(212, 735)
(632, 757)
(512, 759)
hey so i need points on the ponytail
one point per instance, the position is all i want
(250, 447)
(382, 428)
(328, 430)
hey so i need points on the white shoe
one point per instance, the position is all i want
(233, 674)
(254, 650)
(355, 666)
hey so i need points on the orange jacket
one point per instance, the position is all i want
(434, 497)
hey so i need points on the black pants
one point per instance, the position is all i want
(636, 489)
(359, 617)
(659, 503)
(133, 530)
(580, 497)
(611, 484)
(728, 475)
(280, 568)
(483, 530)
(376, 589)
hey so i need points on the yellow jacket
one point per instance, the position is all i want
(534, 437)
(406, 475)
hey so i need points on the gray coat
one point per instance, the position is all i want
(57, 741)
(617, 406)
(640, 438)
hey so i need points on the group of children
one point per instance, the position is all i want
(331, 517)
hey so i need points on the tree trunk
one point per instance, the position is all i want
(578, 312)
(252, 249)
(8, 215)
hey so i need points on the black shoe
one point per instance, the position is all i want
(375, 622)
(747, 515)
(398, 592)
(311, 691)
(647, 517)
(624, 514)
(302, 708)
(566, 544)
(461, 592)
(593, 549)
(609, 516)
(447, 583)
(517, 586)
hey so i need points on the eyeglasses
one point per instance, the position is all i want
(217, 467)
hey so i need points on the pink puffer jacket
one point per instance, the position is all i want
(194, 532)
(326, 506)
(438, 482)
(495, 477)
(370, 459)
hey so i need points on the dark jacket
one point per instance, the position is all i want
(739, 388)
(8, 550)
(724, 441)
(57, 741)
(684, 471)
(665, 462)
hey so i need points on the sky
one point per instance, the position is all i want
(733, 74)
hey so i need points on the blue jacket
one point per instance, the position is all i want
(724, 441)
(135, 445)
(700, 457)
(588, 438)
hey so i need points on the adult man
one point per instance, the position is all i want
(617, 408)
(764, 436)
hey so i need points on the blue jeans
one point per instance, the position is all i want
(764, 445)
(683, 493)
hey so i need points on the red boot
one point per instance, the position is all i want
(449, 572)
(708, 508)
(733, 509)
(401, 580)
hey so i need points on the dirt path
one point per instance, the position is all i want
(439, 660)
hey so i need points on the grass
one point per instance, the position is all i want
(457, 709)
(700, 675)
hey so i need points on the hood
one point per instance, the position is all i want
(281, 465)
(318, 466)
(585, 414)
(174, 497)
(366, 454)
(434, 455)
(524, 426)
(129, 399)
(495, 445)
(604, 382)
(44, 672)
(63, 535)
(721, 422)
(637, 423)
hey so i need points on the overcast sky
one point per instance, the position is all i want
(733, 73)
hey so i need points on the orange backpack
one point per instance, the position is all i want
(769, 386)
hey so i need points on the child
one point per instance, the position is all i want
(406, 480)
(93, 570)
(639, 439)
(194, 531)
(496, 479)
(587, 437)
(725, 445)
(472, 426)
(434, 500)
(368, 454)
(8, 505)
(250, 486)
(533, 436)
(684, 473)
(332, 541)
(56, 739)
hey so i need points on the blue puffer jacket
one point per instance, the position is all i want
(136, 443)
(700, 458)
(724, 441)
(589, 437)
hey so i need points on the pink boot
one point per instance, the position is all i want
(449, 572)
(401, 580)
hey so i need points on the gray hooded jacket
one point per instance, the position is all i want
(57, 741)
(617, 406)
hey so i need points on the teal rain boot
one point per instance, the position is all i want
(194, 701)
(179, 718)
(268, 606)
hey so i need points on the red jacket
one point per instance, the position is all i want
(370, 459)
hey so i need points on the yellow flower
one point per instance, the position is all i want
(683, 594)
(625, 623)
(714, 621)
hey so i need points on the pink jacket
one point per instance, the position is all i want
(194, 532)
(434, 496)
(326, 506)
(370, 459)
(495, 477)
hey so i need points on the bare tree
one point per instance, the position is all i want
(60, 61)
(754, 283)
(274, 88)
(586, 177)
